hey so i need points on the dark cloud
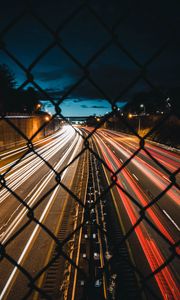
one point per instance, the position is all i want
(55, 94)
(57, 74)
(49, 75)
(145, 28)
(77, 100)
(99, 106)
(47, 104)
(112, 79)
(94, 106)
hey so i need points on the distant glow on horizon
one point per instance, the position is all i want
(85, 107)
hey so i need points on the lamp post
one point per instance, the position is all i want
(139, 124)
(168, 103)
(37, 107)
(144, 109)
(142, 106)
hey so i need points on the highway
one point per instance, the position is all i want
(144, 180)
(30, 180)
(30, 184)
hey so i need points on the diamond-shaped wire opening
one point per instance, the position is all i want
(29, 38)
(113, 80)
(83, 39)
(147, 151)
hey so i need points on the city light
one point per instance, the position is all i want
(38, 105)
(143, 107)
(47, 118)
(130, 116)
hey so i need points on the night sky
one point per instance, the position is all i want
(142, 27)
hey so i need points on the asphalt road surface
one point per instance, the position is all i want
(28, 176)
(30, 179)
(139, 182)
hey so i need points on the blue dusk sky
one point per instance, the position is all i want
(86, 56)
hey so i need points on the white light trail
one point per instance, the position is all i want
(41, 219)
(32, 163)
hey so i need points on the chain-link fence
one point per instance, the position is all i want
(96, 158)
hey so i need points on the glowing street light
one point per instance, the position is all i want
(38, 106)
(168, 103)
(143, 107)
(139, 119)
(47, 118)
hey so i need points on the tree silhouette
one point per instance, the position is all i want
(13, 100)
(7, 78)
(7, 87)
(155, 101)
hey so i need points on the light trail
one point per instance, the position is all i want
(141, 197)
(153, 174)
(169, 159)
(135, 177)
(42, 218)
(31, 164)
(6, 154)
(164, 278)
(55, 139)
(36, 194)
(137, 190)
(172, 221)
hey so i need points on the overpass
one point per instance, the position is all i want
(76, 118)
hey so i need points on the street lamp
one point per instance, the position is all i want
(139, 124)
(142, 106)
(47, 118)
(144, 109)
(168, 103)
(130, 116)
(38, 106)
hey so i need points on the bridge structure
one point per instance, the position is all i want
(76, 119)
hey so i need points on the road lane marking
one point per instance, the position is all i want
(23, 173)
(121, 224)
(166, 178)
(40, 281)
(38, 191)
(17, 219)
(173, 288)
(135, 176)
(9, 282)
(124, 185)
(14, 152)
(21, 258)
(148, 170)
(171, 220)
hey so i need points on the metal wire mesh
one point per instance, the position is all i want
(88, 147)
